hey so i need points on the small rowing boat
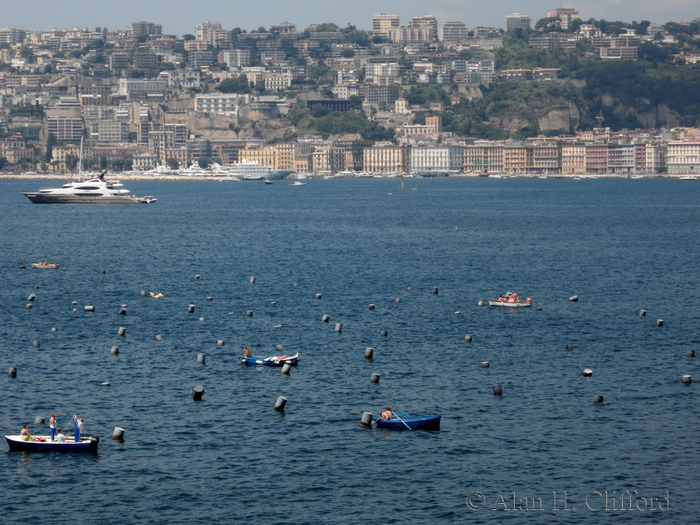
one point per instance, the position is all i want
(276, 360)
(414, 423)
(44, 444)
(510, 304)
(46, 264)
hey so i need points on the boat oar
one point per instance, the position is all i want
(402, 421)
(404, 413)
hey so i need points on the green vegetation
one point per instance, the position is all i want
(325, 122)
(234, 85)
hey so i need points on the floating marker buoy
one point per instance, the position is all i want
(480, 303)
(39, 420)
(279, 348)
(573, 298)
(89, 308)
(485, 364)
(598, 398)
(659, 322)
(103, 271)
(31, 297)
(74, 303)
(642, 313)
(409, 289)
(122, 311)
(252, 280)
(383, 333)
(371, 307)
(209, 298)
(281, 402)
(690, 353)
(196, 276)
(497, 390)
(398, 299)
(200, 359)
(318, 296)
(569, 346)
(75, 309)
(12, 372)
(54, 329)
(687, 379)
(249, 313)
(118, 433)
(36, 344)
(197, 393)
(338, 328)
(435, 291)
(143, 293)
(273, 303)
(467, 338)
(587, 372)
(220, 342)
(374, 378)
(201, 318)
(369, 352)
(286, 369)
(539, 308)
(29, 305)
(121, 332)
(366, 420)
(190, 309)
(295, 284)
(159, 337)
(106, 383)
(114, 350)
(325, 318)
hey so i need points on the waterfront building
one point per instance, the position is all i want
(483, 156)
(596, 159)
(573, 158)
(387, 158)
(517, 157)
(683, 156)
(265, 156)
(621, 158)
(439, 159)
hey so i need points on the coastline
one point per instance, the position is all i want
(143, 177)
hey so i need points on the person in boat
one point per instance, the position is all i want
(529, 300)
(52, 426)
(500, 297)
(78, 427)
(246, 352)
(24, 434)
(61, 438)
(387, 414)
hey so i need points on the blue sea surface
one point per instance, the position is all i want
(543, 452)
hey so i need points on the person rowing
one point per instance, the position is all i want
(387, 414)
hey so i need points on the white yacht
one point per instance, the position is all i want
(91, 191)
(253, 170)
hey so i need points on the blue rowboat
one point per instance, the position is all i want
(275, 360)
(84, 445)
(422, 422)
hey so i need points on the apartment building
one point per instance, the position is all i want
(621, 158)
(65, 128)
(109, 131)
(452, 32)
(483, 156)
(383, 23)
(596, 159)
(566, 16)
(277, 81)
(387, 158)
(427, 21)
(444, 160)
(517, 158)
(265, 156)
(683, 156)
(146, 28)
(410, 35)
(573, 158)
(517, 21)
(219, 103)
(235, 57)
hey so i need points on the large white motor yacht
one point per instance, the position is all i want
(91, 191)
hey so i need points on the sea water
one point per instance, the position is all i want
(542, 452)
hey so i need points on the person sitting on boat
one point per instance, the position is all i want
(24, 434)
(500, 298)
(246, 352)
(511, 297)
(60, 438)
(529, 300)
(387, 414)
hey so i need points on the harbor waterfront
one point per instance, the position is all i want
(543, 448)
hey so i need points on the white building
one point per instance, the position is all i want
(453, 32)
(437, 159)
(150, 87)
(683, 156)
(219, 103)
(277, 81)
(516, 20)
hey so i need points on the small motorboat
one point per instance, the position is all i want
(277, 360)
(297, 183)
(46, 264)
(148, 199)
(268, 182)
(414, 423)
(22, 266)
(44, 444)
(510, 304)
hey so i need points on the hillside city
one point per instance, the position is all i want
(553, 95)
